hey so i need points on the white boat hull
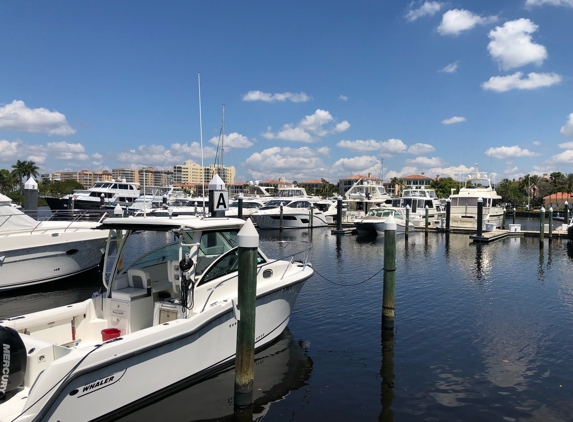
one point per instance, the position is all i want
(48, 263)
(289, 221)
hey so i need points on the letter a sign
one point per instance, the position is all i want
(221, 201)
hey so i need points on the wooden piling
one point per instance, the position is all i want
(513, 215)
(311, 216)
(31, 197)
(426, 219)
(566, 216)
(248, 243)
(550, 223)
(281, 217)
(407, 219)
(541, 226)
(240, 212)
(339, 213)
(480, 217)
(448, 213)
(388, 297)
(503, 220)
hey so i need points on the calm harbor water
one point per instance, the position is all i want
(483, 333)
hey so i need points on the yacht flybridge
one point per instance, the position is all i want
(169, 316)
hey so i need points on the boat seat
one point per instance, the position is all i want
(139, 283)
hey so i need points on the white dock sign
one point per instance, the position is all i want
(221, 201)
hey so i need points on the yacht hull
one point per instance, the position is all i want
(45, 260)
(289, 220)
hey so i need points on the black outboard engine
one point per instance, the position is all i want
(13, 354)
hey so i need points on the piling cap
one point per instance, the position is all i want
(216, 183)
(480, 199)
(31, 184)
(542, 209)
(339, 197)
(248, 237)
(390, 224)
(117, 210)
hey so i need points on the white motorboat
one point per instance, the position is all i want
(174, 309)
(375, 220)
(249, 206)
(113, 192)
(419, 199)
(363, 195)
(463, 211)
(34, 252)
(294, 214)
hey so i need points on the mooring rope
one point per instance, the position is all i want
(349, 285)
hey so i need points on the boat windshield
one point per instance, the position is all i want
(478, 183)
(289, 193)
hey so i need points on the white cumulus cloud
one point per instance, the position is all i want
(300, 97)
(455, 172)
(16, 116)
(456, 21)
(343, 98)
(452, 120)
(566, 145)
(515, 81)
(311, 128)
(509, 152)
(451, 68)
(9, 150)
(511, 45)
(566, 157)
(287, 163)
(419, 148)
(233, 140)
(567, 129)
(387, 148)
(428, 8)
(425, 161)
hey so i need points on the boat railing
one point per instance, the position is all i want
(285, 245)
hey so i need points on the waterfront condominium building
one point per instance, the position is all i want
(193, 173)
(130, 175)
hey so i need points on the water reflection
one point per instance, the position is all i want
(279, 369)
(387, 376)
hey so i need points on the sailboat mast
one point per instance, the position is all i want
(201, 138)
(222, 142)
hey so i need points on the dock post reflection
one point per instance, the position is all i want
(387, 377)
(389, 294)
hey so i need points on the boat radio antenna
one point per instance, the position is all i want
(201, 139)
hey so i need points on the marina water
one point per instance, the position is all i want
(483, 332)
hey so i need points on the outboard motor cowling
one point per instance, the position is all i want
(13, 354)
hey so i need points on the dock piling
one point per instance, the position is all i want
(550, 223)
(248, 243)
(566, 215)
(311, 216)
(102, 200)
(480, 217)
(240, 211)
(281, 217)
(448, 213)
(31, 197)
(388, 297)
(541, 226)
(427, 210)
(503, 219)
(339, 213)
(407, 220)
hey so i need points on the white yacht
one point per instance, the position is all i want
(34, 252)
(375, 220)
(169, 317)
(250, 205)
(298, 213)
(418, 198)
(463, 211)
(363, 195)
(114, 192)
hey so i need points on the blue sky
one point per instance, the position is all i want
(311, 89)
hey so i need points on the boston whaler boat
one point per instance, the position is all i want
(168, 318)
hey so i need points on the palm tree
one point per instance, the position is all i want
(31, 169)
(397, 182)
(19, 172)
(7, 181)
